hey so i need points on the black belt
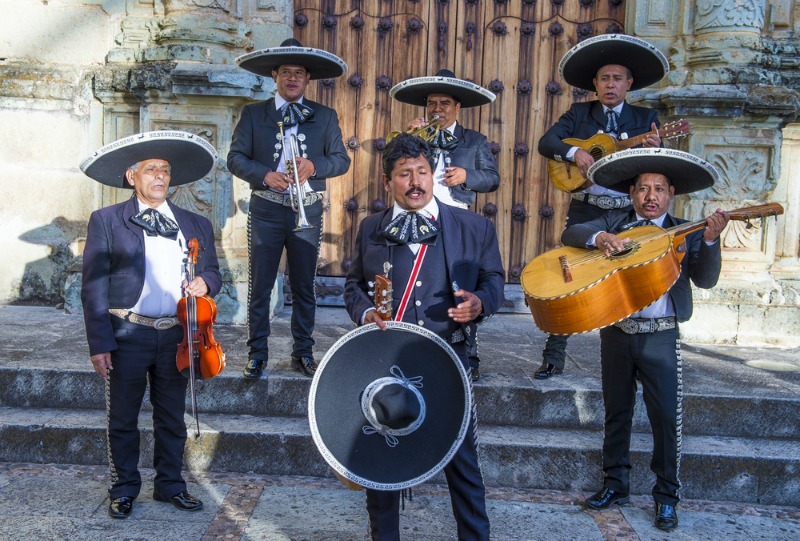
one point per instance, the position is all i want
(158, 323)
(285, 199)
(605, 202)
(642, 325)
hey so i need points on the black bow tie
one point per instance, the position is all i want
(295, 113)
(637, 223)
(154, 223)
(444, 140)
(612, 121)
(411, 227)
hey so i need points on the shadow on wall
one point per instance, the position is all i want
(43, 281)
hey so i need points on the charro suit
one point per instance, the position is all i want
(472, 154)
(113, 277)
(252, 155)
(467, 248)
(655, 357)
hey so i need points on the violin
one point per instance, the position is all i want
(199, 356)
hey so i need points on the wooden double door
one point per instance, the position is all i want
(511, 47)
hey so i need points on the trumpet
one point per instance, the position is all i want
(426, 132)
(295, 188)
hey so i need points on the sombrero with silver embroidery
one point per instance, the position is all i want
(190, 156)
(416, 91)
(686, 172)
(389, 409)
(320, 64)
(580, 64)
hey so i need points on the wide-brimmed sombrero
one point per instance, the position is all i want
(416, 91)
(320, 64)
(686, 172)
(190, 156)
(580, 64)
(389, 409)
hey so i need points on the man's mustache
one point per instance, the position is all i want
(412, 190)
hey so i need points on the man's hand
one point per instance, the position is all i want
(652, 140)
(305, 169)
(715, 224)
(102, 363)
(469, 309)
(278, 182)
(453, 176)
(610, 243)
(583, 160)
(416, 123)
(195, 288)
(373, 317)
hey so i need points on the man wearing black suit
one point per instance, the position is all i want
(464, 164)
(258, 154)
(647, 344)
(133, 277)
(470, 290)
(610, 114)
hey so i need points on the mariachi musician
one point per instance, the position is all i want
(259, 153)
(646, 346)
(133, 269)
(464, 163)
(609, 65)
(412, 242)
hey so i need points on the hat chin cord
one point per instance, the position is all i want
(368, 396)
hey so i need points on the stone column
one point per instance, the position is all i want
(737, 100)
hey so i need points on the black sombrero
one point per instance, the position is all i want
(416, 91)
(389, 409)
(320, 64)
(190, 156)
(686, 172)
(580, 64)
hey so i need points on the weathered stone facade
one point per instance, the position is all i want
(76, 74)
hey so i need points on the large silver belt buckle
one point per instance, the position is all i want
(164, 323)
(628, 326)
(606, 202)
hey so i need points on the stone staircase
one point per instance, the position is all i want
(741, 423)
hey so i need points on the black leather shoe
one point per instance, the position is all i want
(605, 498)
(547, 370)
(254, 369)
(182, 500)
(474, 373)
(666, 517)
(306, 365)
(120, 507)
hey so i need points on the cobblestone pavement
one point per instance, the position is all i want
(53, 502)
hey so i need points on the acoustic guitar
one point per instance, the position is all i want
(566, 176)
(574, 290)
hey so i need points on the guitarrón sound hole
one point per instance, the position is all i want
(596, 152)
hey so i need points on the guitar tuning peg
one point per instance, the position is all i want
(370, 293)
(371, 284)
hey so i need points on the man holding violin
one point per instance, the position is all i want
(464, 164)
(133, 277)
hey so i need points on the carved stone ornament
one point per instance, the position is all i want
(743, 173)
(716, 15)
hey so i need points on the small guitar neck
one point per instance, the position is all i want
(678, 128)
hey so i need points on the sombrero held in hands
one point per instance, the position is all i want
(389, 409)
(190, 156)
(686, 172)
(320, 64)
(416, 91)
(580, 64)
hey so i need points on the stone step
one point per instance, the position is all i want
(737, 469)
(284, 394)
